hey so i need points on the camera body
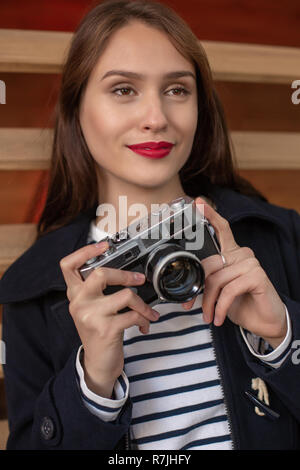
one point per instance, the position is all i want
(167, 246)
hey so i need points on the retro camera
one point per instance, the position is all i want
(167, 246)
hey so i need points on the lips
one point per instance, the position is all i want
(152, 149)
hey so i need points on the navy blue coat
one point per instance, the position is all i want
(45, 408)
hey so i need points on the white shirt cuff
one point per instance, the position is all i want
(105, 408)
(276, 357)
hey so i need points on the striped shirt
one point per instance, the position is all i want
(174, 383)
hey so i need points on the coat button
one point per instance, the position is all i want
(47, 428)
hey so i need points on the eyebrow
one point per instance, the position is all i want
(138, 76)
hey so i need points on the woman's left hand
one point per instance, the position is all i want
(241, 289)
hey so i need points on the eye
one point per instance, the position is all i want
(126, 91)
(180, 91)
(122, 91)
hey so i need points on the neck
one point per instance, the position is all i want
(122, 203)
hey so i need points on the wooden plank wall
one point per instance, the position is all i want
(30, 98)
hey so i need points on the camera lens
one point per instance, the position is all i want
(180, 279)
(177, 275)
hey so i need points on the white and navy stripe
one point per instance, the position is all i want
(175, 388)
(105, 408)
(263, 351)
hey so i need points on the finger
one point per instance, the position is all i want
(220, 225)
(71, 263)
(188, 305)
(111, 304)
(237, 287)
(214, 263)
(217, 281)
(102, 277)
(129, 319)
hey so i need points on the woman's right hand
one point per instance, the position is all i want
(96, 317)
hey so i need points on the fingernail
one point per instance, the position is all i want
(139, 276)
(101, 245)
(156, 315)
(202, 201)
(205, 318)
(187, 306)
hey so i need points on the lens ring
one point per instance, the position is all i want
(193, 288)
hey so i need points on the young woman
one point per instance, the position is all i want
(218, 372)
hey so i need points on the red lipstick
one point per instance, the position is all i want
(152, 149)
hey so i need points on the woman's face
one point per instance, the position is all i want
(119, 109)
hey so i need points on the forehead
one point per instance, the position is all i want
(143, 48)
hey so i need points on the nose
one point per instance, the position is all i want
(153, 114)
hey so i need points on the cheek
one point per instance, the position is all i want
(188, 131)
(95, 120)
(187, 122)
(99, 127)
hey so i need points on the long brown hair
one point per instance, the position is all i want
(72, 186)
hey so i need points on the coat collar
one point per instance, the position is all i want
(38, 272)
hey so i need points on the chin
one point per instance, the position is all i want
(153, 177)
(150, 182)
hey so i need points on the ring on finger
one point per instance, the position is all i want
(223, 260)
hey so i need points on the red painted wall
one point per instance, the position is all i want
(252, 21)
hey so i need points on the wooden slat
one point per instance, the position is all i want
(29, 149)
(253, 63)
(267, 150)
(25, 149)
(32, 51)
(14, 240)
(44, 52)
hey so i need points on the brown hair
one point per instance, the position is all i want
(72, 186)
